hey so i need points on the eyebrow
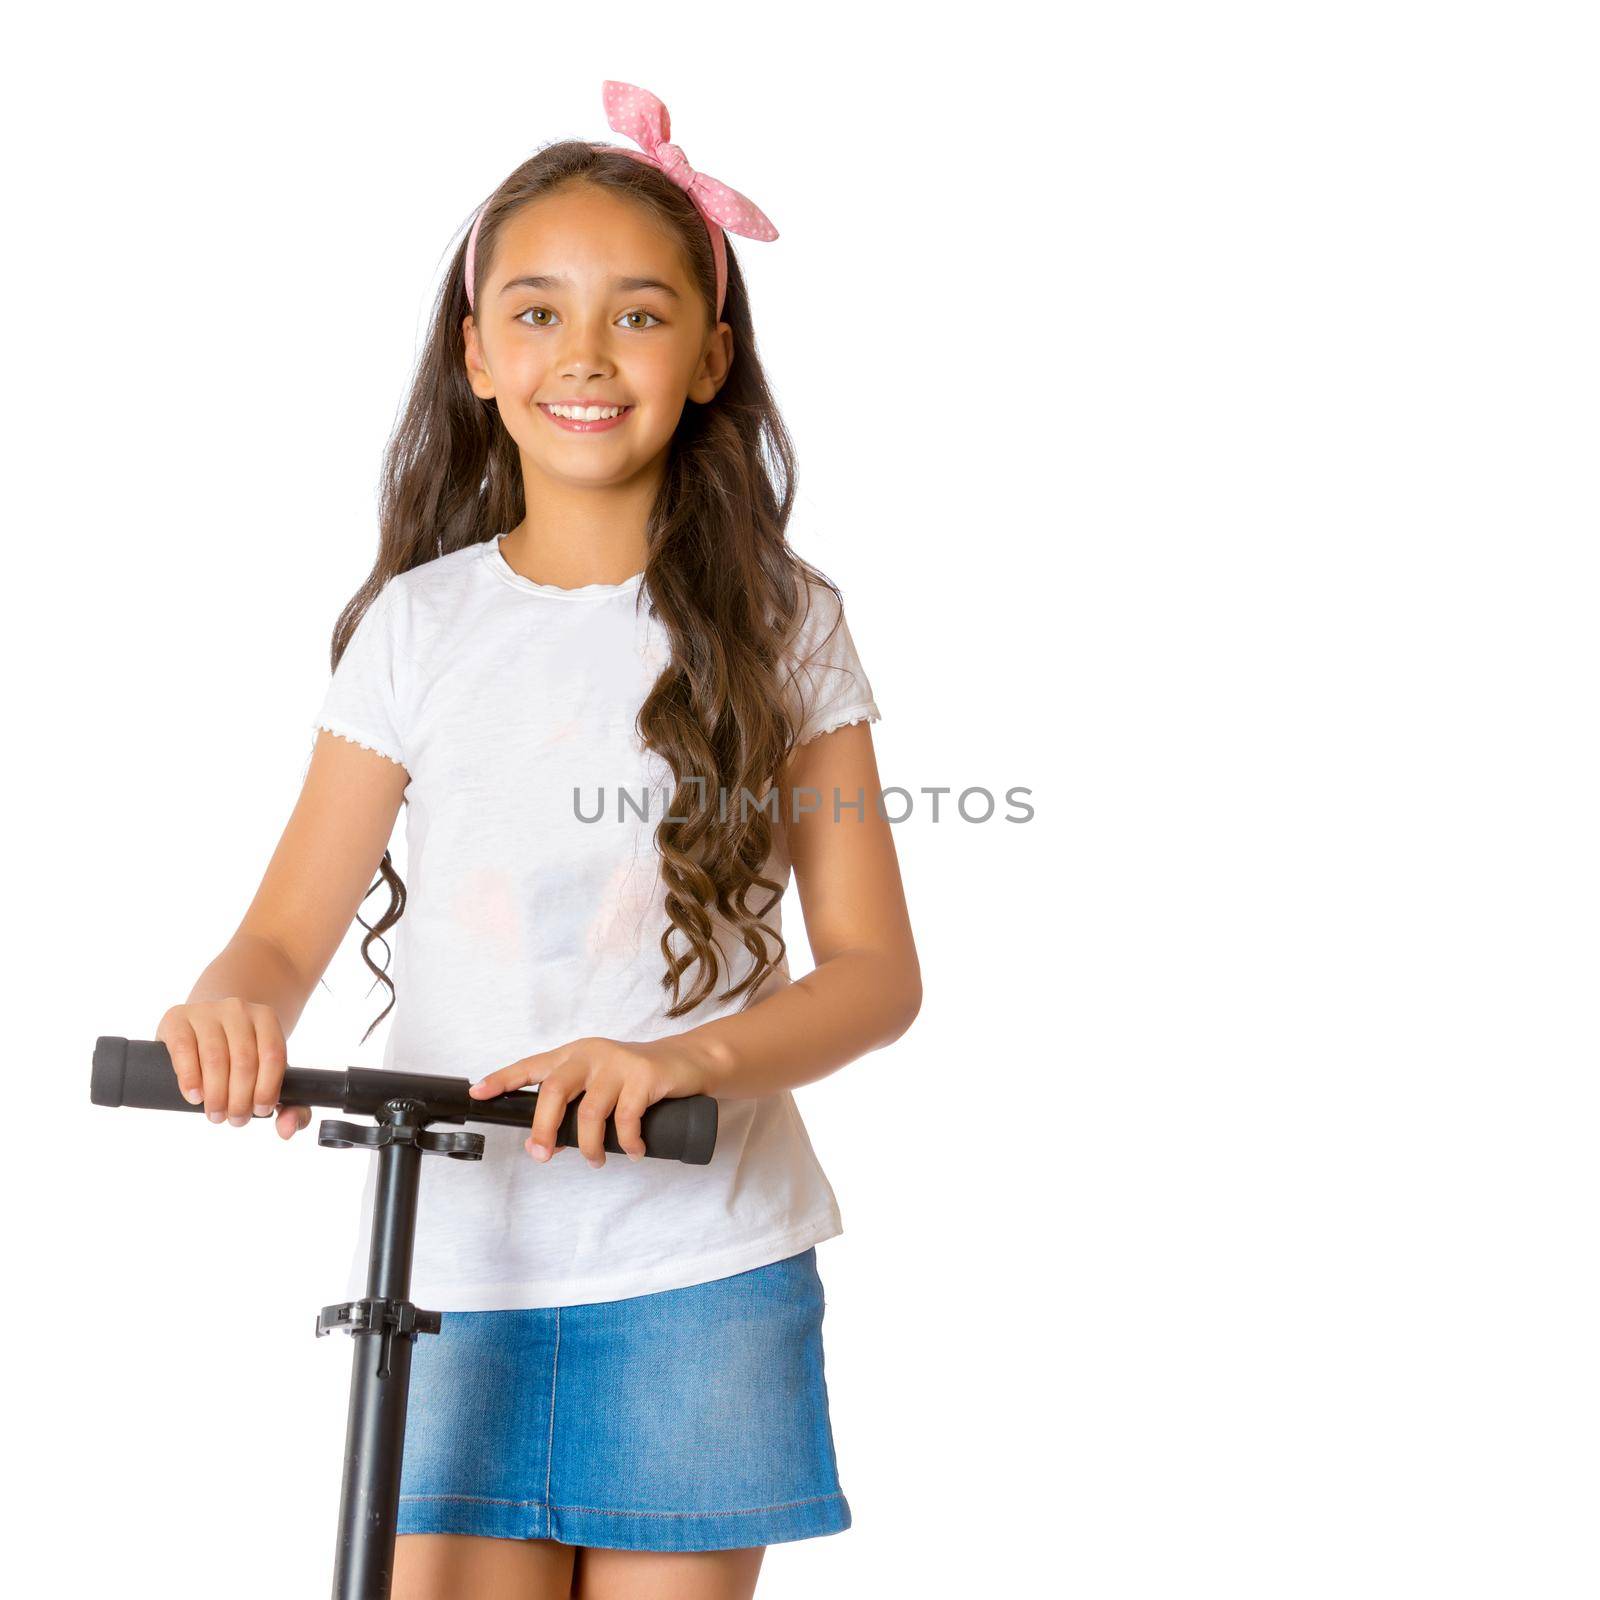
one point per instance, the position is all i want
(548, 280)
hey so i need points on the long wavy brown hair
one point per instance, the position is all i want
(719, 575)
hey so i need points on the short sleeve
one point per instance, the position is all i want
(829, 685)
(363, 699)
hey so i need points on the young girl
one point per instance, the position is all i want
(617, 708)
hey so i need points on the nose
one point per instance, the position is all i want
(585, 353)
(579, 369)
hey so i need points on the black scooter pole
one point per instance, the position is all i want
(138, 1072)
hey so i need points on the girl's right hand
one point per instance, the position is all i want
(231, 1055)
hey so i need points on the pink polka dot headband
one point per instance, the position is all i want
(637, 113)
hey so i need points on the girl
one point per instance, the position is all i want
(618, 708)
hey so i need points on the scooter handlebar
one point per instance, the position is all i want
(139, 1072)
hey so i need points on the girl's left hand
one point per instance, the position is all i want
(614, 1076)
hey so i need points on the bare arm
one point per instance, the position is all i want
(864, 993)
(866, 988)
(323, 865)
(227, 1039)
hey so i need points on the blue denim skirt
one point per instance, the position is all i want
(689, 1419)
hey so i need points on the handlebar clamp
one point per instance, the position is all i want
(390, 1319)
(397, 1127)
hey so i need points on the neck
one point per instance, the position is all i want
(573, 536)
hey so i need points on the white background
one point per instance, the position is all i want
(1197, 406)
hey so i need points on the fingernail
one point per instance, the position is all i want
(263, 1111)
(538, 1151)
(633, 1155)
(214, 1116)
(237, 1122)
(194, 1096)
(594, 1163)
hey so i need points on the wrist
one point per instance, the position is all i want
(710, 1055)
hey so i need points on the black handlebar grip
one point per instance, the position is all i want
(138, 1072)
(681, 1129)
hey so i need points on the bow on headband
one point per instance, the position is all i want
(645, 119)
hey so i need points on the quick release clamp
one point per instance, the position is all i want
(400, 1141)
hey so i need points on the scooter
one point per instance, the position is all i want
(385, 1324)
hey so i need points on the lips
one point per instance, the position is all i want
(599, 425)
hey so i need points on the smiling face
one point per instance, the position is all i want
(588, 302)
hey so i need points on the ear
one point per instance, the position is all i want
(478, 374)
(715, 362)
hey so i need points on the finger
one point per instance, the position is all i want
(547, 1115)
(272, 1056)
(593, 1111)
(291, 1119)
(631, 1107)
(212, 1044)
(501, 1082)
(179, 1039)
(243, 1060)
(519, 1074)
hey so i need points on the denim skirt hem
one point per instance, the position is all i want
(599, 1529)
(687, 1419)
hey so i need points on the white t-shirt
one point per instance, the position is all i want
(525, 927)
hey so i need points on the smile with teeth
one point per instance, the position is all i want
(585, 413)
